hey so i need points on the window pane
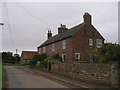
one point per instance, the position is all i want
(90, 42)
(99, 43)
(53, 47)
(64, 44)
(77, 56)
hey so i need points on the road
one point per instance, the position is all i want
(19, 78)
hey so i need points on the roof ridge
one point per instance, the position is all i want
(68, 33)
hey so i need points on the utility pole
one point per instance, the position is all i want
(16, 51)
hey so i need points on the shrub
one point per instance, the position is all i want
(57, 56)
(50, 59)
(109, 52)
(36, 58)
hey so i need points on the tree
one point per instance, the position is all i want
(7, 57)
(36, 58)
(16, 58)
(109, 52)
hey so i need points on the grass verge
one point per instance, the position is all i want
(0, 76)
(4, 78)
(18, 64)
(15, 64)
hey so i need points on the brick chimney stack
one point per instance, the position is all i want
(62, 28)
(87, 18)
(49, 34)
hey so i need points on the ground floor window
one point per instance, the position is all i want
(77, 56)
(63, 57)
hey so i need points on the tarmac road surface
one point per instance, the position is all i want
(19, 78)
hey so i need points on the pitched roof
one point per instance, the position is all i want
(68, 33)
(28, 54)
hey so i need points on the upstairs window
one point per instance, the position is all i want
(99, 43)
(53, 47)
(44, 49)
(90, 42)
(64, 44)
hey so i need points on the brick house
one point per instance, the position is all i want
(74, 43)
(26, 56)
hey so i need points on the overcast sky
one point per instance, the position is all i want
(27, 23)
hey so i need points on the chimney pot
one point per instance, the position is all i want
(87, 18)
(49, 34)
(62, 28)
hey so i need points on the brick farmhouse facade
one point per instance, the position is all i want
(74, 43)
(26, 56)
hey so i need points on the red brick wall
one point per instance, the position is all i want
(76, 44)
(59, 49)
(81, 41)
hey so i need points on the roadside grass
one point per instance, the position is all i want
(18, 64)
(4, 78)
(15, 64)
(0, 76)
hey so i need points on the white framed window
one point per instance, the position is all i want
(64, 44)
(44, 49)
(63, 57)
(53, 47)
(99, 43)
(77, 56)
(90, 42)
(39, 51)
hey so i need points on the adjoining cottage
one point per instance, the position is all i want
(26, 56)
(73, 44)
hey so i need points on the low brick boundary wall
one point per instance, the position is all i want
(104, 73)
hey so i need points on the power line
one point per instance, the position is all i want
(33, 15)
(5, 9)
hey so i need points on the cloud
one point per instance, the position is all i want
(29, 22)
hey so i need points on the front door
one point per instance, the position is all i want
(63, 57)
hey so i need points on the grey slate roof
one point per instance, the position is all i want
(68, 33)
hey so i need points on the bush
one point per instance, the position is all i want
(109, 52)
(50, 59)
(57, 56)
(36, 58)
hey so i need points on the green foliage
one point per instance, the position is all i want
(57, 56)
(16, 58)
(110, 52)
(7, 57)
(36, 58)
(50, 59)
(4, 78)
